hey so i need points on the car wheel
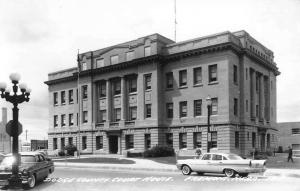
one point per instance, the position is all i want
(186, 170)
(229, 172)
(31, 181)
(243, 174)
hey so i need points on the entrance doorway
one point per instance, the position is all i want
(113, 144)
(262, 142)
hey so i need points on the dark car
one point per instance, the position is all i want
(34, 167)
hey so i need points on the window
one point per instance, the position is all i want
(84, 92)
(268, 141)
(133, 113)
(83, 66)
(214, 106)
(183, 109)
(54, 143)
(83, 142)
(99, 142)
(235, 74)
(235, 107)
(132, 83)
(148, 110)
(129, 55)
(102, 89)
(295, 131)
(114, 59)
(257, 83)
(70, 141)
(212, 69)
(197, 140)
(117, 87)
(55, 98)
(197, 76)
(247, 106)
(206, 157)
(257, 110)
(147, 141)
(246, 73)
(77, 96)
(102, 116)
(169, 110)
(129, 144)
(248, 136)
(84, 116)
(63, 120)
(169, 139)
(71, 119)
(63, 97)
(198, 107)
(99, 63)
(182, 78)
(148, 81)
(253, 140)
(147, 51)
(216, 157)
(169, 80)
(117, 114)
(77, 119)
(71, 96)
(62, 143)
(237, 139)
(182, 140)
(214, 139)
(55, 122)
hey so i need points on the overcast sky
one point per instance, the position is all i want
(39, 36)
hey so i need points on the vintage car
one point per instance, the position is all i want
(228, 164)
(34, 167)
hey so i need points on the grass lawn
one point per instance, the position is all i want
(279, 161)
(99, 160)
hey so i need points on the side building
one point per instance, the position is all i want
(289, 136)
(5, 140)
(152, 91)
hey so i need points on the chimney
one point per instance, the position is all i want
(4, 115)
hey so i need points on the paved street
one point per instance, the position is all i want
(66, 178)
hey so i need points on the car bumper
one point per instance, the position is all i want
(179, 166)
(255, 170)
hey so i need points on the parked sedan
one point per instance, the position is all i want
(34, 166)
(228, 164)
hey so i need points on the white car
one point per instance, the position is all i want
(228, 164)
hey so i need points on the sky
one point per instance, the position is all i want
(38, 37)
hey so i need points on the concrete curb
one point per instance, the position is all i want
(269, 172)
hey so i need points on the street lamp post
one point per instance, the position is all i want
(209, 102)
(15, 179)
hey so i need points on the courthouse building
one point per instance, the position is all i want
(152, 91)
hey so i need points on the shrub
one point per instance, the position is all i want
(70, 149)
(61, 153)
(159, 151)
(134, 154)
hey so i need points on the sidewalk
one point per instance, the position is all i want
(149, 165)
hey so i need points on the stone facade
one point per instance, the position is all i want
(289, 135)
(152, 91)
(5, 140)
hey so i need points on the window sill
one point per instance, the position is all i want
(84, 99)
(169, 89)
(132, 93)
(148, 90)
(182, 87)
(55, 104)
(71, 103)
(118, 95)
(213, 83)
(102, 97)
(198, 85)
(63, 103)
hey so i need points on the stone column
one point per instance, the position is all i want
(123, 99)
(252, 93)
(108, 100)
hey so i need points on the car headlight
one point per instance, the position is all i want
(25, 172)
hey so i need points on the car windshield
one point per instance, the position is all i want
(8, 160)
(234, 157)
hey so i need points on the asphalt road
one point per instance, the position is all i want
(95, 179)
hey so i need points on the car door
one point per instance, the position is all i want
(43, 166)
(216, 163)
(203, 163)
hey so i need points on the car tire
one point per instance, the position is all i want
(243, 174)
(186, 170)
(32, 181)
(229, 172)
